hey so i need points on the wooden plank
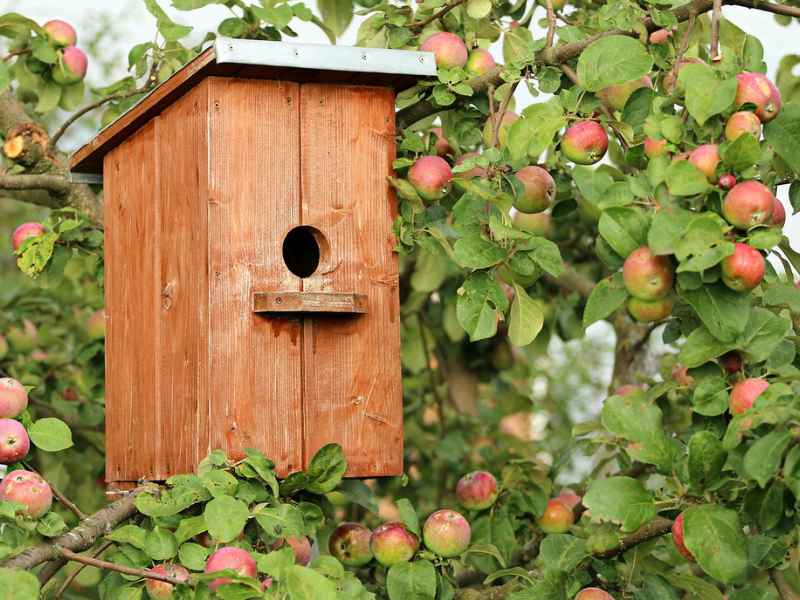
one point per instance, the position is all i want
(352, 366)
(308, 302)
(255, 395)
(183, 289)
(133, 304)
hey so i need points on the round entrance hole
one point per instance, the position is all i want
(303, 248)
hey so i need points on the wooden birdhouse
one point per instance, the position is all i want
(251, 284)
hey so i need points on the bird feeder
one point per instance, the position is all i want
(251, 284)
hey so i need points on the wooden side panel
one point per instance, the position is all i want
(133, 305)
(183, 289)
(255, 394)
(352, 364)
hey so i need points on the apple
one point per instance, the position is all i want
(230, 558)
(71, 67)
(540, 190)
(162, 590)
(558, 5)
(477, 490)
(593, 593)
(778, 214)
(442, 146)
(449, 49)
(13, 398)
(301, 548)
(557, 517)
(681, 156)
(3, 347)
(679, 376)
(392, 543)
(446, 533)
(502, 357)
(648, 311)
(706, 158)
(743, 122)
(350, 544)
(661, 36)
(570, 498)
(467, 175)
(60, 33)
(25, 231)
(540, 224)
(655, 148)
(628, 390)
(431, 177)
(584, 143)
(616, 96)
(647, 276)
(744, 269)
(677, 537)
(502, 135)
(757, 89)
(731, 361)
(14, 441)
(481, 61)
(726, 182)
(744, 394)
(23, 341)
(29, 489)
(748, 204)
(96, 325)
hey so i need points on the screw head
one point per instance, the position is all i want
(230, 47)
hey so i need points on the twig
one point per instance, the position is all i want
(551, 23)
(778, 9)
(645, 533)
(434, 387)
(715, 54)
(81, 567)
(418, 25)
(679, 56)
(497, 120)
(92, 106)
(49, 569)
(109, 566)
(11, 55)
(61, 497)
(784, 591)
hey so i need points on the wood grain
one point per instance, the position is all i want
(308, 302)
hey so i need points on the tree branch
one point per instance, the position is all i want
(118, 96)
(80, 568)
(573, 281)
(109, 566)
(784, 591)
(418, 25)
(49, 183)
(645, 533)
(778, 9)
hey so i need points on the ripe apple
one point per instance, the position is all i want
(230, 558)
(540, 224)
(29, 489)
(731, 361)
(60, 33)
(706, 158)
(477, 490)
(677, 537)
(628, 390)
(96, 325)
(431, 177)
(757, 89)
(481, 61)
(162, 590)
(570, 498)
(726, 182)
(25, 231)
(647, 276)
(23, 341)
(679, 376)
(593, 593)
(744, 394)
(661, 36)
(649, 311)
(71, 67)
(13, 398)
(502, 135)
(3, 347)
(744, 269)
(584, 143)
(446, 533)
(557, 517)
(14, 441)
(655, 148)
(301, 547)
(392, 543)
(616, 96)
(350, 544)
(449, 49)
(743, 122)
(540, 190)
(442, 146)
(778, 214)
(748, 204)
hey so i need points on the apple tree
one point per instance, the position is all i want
(635, 194)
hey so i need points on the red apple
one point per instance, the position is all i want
(757, 89)
(392, 543)
(655, 148)
(480, 61)
(539, 224)
(681, 156)
(25, 231)
(301, 548)
(96, 325)
(661, 36)
(616, 96)
(502, 135)
(570, 498)
(13, 398)
(431, 177)
(540, 190)
(71, 67)
(731, 361)
(449, 49)
(743, 122)
(778, 214)
(557, 517)
(477, 490)
(593, 593)
(679, 376)
(706, 158)
(162, 590)
(350, 544)
(744, 394)
(748, 204)
(744, 269)
(584, 143)
(628, 390)
(14, 441)
(726, 182)
(230, 558)
(442, 146)
(647, 276)
(446, 533)
(29, 489)
(677, 537)
(61, 33)
(23, 341)
(649, 311)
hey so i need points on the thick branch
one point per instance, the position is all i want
(573, 281)
(48, 183)
(778, 9)
(784, 591)
(645, 533)
(80, 568)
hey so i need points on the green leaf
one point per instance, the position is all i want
(481, 304)
(765, 552)
(625, 229)
(763, 335)
(531, 136)
(129, 534)
(359, 492)
(564, 552)
(592, 183)
(764, 457)
(546, 254)
(684, 179)
(326, 469)
(336, 14)
(702, 245)
(307, 584)
(161, 544)
(477, 9)
(190, 527)
(478, 252)
(700, 588)
(710, 398)
(526, 318)
(617, 194)
(742, 153)
(194, 4)
(5, 78)
(706, 459)
(657, 588)
(637, 109)
(607, 296)
(170, 30)
(18, 584)
(783, 296)
(193, 556)
(408, 515)
(620, 500)
(640, 422)
(667, 227)
(226, 518)
(51, 524)
(50, 434)
(783, 134)
(492, 530)
(724, 311)
(713, 534)
(49, 95)
(280, 521)
(412, 581)
(612, 60)
(706, 93)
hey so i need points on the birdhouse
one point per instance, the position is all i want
(251, 287)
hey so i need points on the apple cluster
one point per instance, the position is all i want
(648, 279)
(72, 62)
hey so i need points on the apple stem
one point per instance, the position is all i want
(61, 497)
